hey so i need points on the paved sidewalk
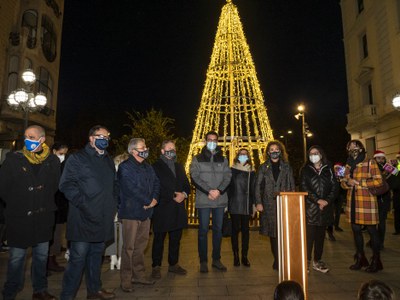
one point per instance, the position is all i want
(256, 282)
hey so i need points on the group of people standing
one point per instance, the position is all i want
(96, 189)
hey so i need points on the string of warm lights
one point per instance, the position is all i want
(232, 102)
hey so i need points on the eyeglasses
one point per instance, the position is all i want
(102, 137)
(141, 149)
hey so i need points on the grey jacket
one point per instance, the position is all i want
(266, 190)
(210, 171)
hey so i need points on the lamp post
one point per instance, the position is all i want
(25, 99)
(304, 129)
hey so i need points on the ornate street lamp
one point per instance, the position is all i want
(25, 99)
(304, 129)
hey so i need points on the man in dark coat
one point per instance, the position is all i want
(169, 215)
(89, 183)
(139, 190)
(28, 181)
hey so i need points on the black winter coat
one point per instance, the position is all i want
(169, 215)
(241, 192)
(319, 185)
(29, 198)
(88, 182)
(266, 191)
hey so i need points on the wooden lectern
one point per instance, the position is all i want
(292, 243)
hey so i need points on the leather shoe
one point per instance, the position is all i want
(127, 289)
(43, 296)
(143, 281)
(177, 269)
(103, 294)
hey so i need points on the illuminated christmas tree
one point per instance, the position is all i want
(232, 103)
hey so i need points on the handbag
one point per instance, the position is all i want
(226, 225)
(381, 189)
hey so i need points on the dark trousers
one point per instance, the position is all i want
(338, 208)
(240, 223)
(359, 240)
(274, 248)
(396, 207)
(315, 239)
(383, 208)
(173, 247)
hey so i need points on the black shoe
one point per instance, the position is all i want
(245, 261)
(337, 228)
(236, 261)
(331, 237)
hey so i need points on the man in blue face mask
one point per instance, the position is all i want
(28, 181)
(211, 175)
(89, 183)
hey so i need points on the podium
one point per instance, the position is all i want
(292, 243)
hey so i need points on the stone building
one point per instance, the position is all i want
(30, 38)
(371, 32)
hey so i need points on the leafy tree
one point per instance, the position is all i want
(154, 127)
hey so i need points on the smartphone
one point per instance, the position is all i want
(339, 171)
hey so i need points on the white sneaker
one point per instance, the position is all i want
(320, 266)
(119, 263)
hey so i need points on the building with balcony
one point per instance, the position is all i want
(371, 31)
(30, 38)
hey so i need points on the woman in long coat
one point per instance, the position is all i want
(362, 207)
(240, 204)
(275, 175)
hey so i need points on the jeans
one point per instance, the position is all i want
(204, 221)
(16, 270)
(82, 256)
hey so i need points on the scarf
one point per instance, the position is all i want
(170, 163)
(36, 158)
(354, 162)
(239, 166)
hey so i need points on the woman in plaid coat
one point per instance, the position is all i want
(362, 207)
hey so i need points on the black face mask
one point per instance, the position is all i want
(143, 154)
(354, 153)
(171, 154)
(275, 155)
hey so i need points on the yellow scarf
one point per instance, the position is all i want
(36, 158)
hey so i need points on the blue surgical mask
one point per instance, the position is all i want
(171, 154)
(243, 158)
(275, 155)
(101, 144)
(211, 146)
(31, 145)
(143, 154)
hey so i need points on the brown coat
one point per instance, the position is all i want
(366, 205)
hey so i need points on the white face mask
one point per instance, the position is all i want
(61, 157)
(314, 158)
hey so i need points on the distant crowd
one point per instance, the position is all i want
(110, 205)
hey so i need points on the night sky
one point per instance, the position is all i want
(129, 55)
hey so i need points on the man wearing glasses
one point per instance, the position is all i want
(89, 183)
(211, 175)
(139, 190)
